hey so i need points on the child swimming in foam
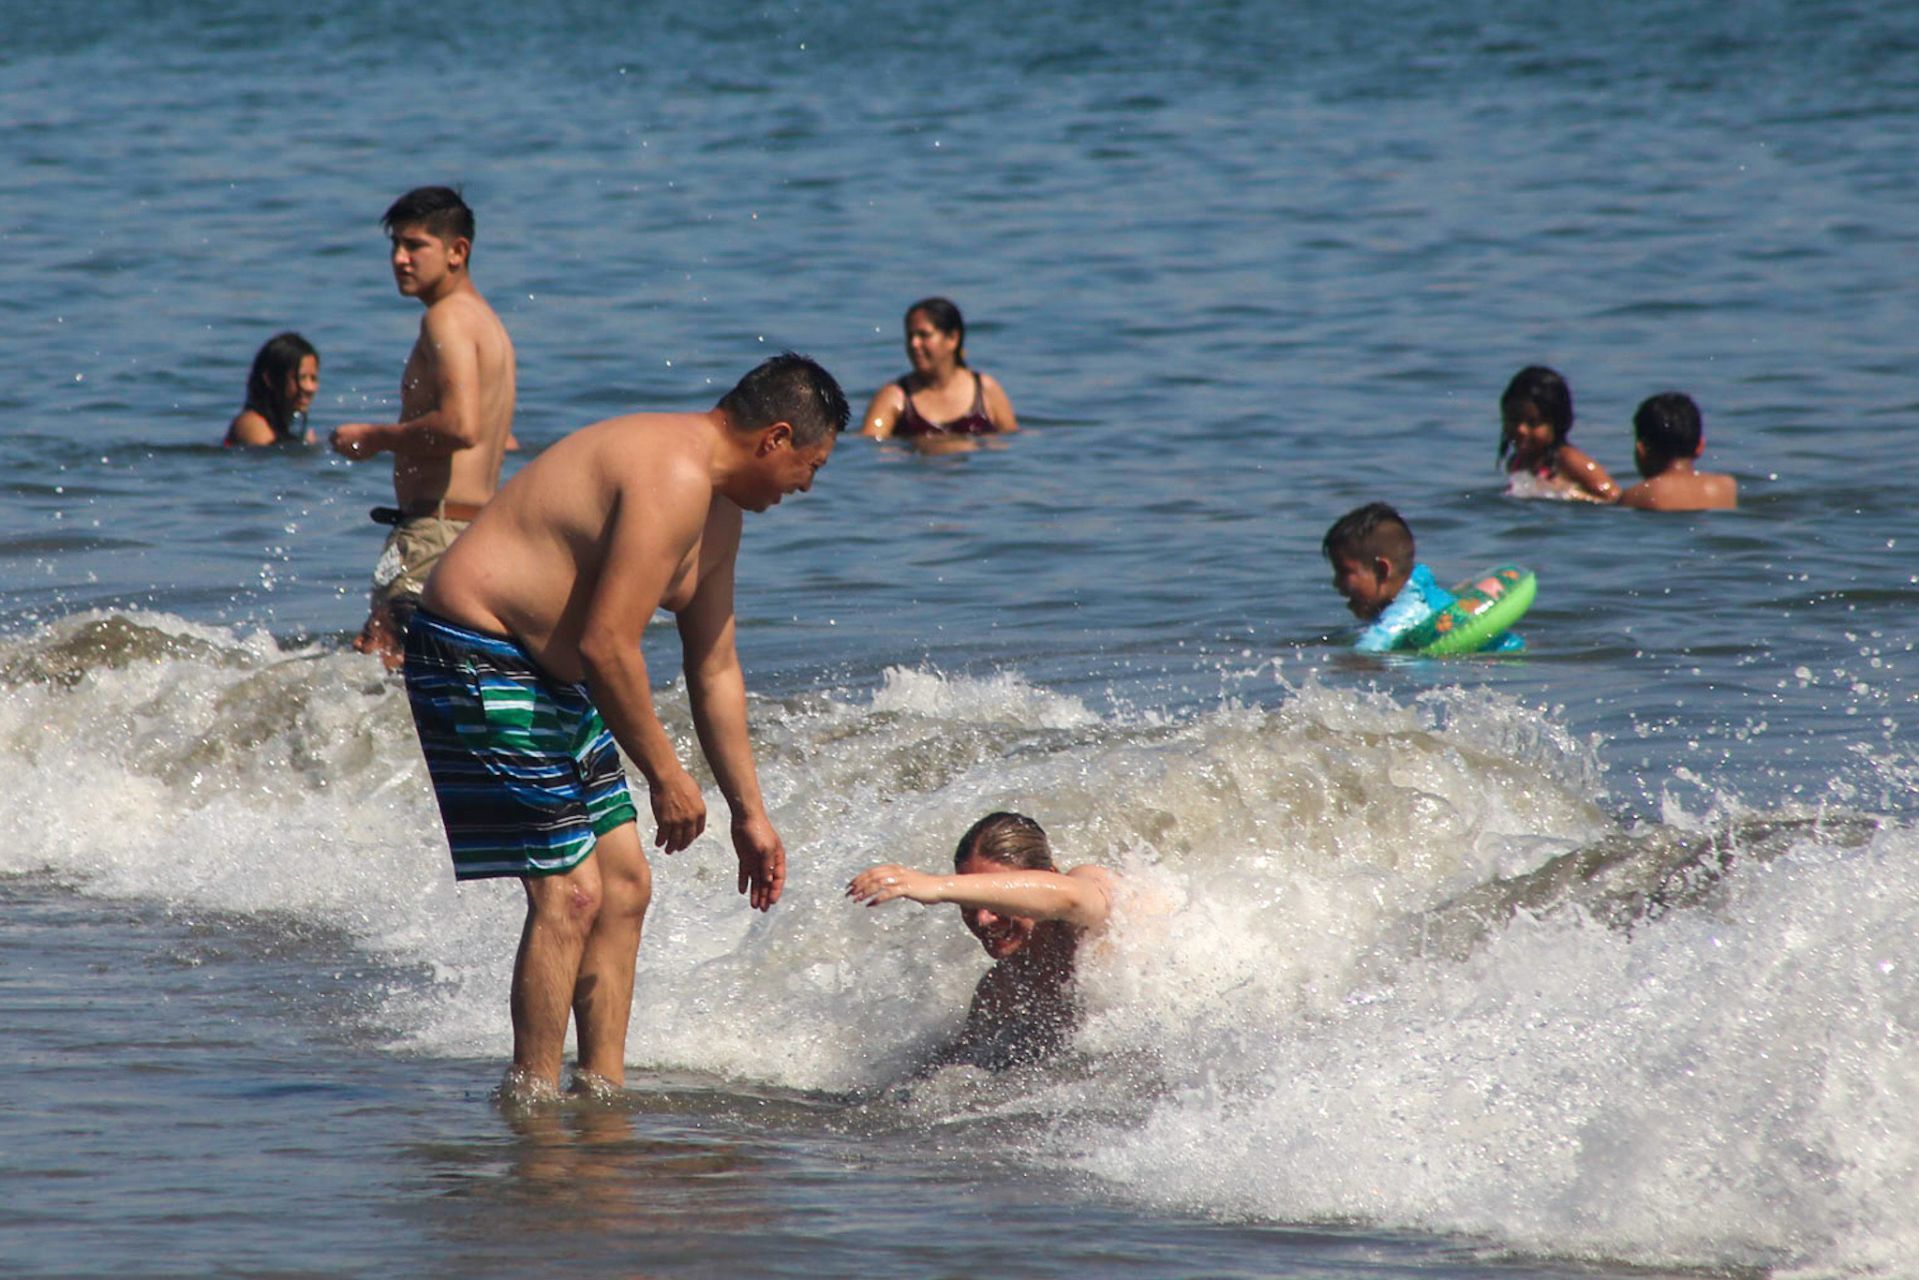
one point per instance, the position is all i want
(1371, 551)
(1029, 916)
(1667, 438)
(1536, 415)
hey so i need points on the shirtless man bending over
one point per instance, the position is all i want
(525, 652)
(456, 409)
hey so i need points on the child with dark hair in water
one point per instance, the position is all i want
(1536, 415)
(1028, 915)
(1667, 439)
(280, 389)
(1371, 551)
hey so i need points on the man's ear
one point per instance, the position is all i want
(778, 435)
(1382, 568)
(457, 250)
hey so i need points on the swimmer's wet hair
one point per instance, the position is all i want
(1669, 425)
(1369, 531)
(277, 360)
(943, 315)
(1546, 394)
(1011, 839)
(441, 210)
(789, 388)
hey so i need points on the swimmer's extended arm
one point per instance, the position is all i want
(1577, 466)
(453, 423)
(1081, 897)
(1640, 496)
(716, 690)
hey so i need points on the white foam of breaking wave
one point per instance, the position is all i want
(1266, 1034)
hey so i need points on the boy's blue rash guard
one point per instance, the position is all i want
(1418, 600)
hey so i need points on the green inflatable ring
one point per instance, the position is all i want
(1487, 605)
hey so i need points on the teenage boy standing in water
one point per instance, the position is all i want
(456, 409)
(529, 633)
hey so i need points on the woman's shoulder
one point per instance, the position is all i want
(989, 384)
(886, 405)
(999, 406)
(891, 396)
(250, 427)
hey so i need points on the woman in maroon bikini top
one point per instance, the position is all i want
(936, 346)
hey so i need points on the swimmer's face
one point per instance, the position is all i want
(1366, 584)
(929, 347)
(1002, 936)
(1531, 435)
(422, 261)
(304, 383)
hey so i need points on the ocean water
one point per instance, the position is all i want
(1597, 961)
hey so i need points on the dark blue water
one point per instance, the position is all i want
(1241, 267)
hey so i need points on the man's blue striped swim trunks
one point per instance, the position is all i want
(525, 771)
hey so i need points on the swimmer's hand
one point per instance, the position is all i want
(353, 440)
(887, 882)
(762, 860)
(678, 808)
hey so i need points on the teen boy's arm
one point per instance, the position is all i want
(647, 541)
(716, 688)
(453, 423)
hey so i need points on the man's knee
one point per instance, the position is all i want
(570, 901)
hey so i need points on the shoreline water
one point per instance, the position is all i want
(803, 1020)
(307, 1149)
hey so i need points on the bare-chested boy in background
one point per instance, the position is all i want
(456, 410)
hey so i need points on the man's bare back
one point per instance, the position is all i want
(572, 558)
(530, 565)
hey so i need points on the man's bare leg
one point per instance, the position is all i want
(603, 998)
(560, 914)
